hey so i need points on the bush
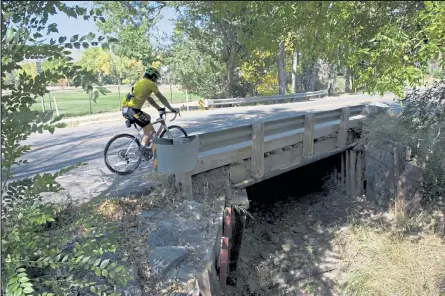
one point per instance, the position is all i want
(41, 253)
(421, 126)
(438, 74)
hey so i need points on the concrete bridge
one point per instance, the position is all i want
(265, 149)
(262, 150)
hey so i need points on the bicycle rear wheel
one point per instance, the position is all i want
(120, 154)
(175, 131)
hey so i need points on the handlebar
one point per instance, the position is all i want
(163, 112)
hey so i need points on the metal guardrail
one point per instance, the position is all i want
(238, 101)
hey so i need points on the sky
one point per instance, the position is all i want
(68, 26)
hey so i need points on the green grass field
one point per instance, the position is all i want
(77, 103)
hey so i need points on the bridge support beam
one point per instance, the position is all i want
(347, 173)
(257, 162)
(308, 136)
(352, 172)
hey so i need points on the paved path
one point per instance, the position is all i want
(86, 143)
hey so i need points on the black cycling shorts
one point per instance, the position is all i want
(136, 115)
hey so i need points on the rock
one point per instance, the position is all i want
(274, 238)
(193, 207)
(282, 278)
(185, 273)
(170, 222)
(190, 236)
(311, 240)
(286, 247)
(164, 259)
(252, 285)
(161, 238)
(147, 214)
(276, 261)
(264, 254)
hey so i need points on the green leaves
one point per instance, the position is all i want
(104, 263)
(74, 38)
(105, 47)
(9, 35)
(53, 28)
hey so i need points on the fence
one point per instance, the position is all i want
(73, 101)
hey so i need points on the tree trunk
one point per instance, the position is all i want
(348, 81)
(230, 72)
(294, 72)
(281, 74)
(314, 75)
(332, 79)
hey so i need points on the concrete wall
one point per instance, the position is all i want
(381, 180)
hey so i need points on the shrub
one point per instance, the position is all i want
(41, 254)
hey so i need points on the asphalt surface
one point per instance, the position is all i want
(86, 143)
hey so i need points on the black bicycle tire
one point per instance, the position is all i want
(108, 146)
(173, 127)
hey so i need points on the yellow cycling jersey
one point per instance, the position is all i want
(141, 91)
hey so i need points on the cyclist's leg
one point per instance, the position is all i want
(148, 131)
(143, 120)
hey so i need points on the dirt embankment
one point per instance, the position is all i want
(328, 244)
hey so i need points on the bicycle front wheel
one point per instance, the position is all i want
(175, 131)
(120, 154)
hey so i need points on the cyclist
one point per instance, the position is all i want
(132, 103)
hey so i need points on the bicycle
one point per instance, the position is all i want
(126, 155)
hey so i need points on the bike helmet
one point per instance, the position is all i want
(152, 73)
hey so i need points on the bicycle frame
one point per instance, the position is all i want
(162, 128)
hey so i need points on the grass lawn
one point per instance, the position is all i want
(77, 103)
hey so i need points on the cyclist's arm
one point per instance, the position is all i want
(164, 101)
(153, 103)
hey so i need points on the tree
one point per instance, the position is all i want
(194, 70)
(28, 253)
(215, 28)
(130, 23)
(125, 70)
(96, 60)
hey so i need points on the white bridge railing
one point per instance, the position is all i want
(239, 101)
(305, 133)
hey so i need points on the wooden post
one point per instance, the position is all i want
(335, 173)
(360, 173)
(347, 173)
(49, 99)
(119, 94)
(237, 242)
(343, 131)
(43, 104)
(308, 138)
(55, 103)
(171, 93)
(187, 100)
(352, 159)
(91, 108)
(342, 171)
(257, 160)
